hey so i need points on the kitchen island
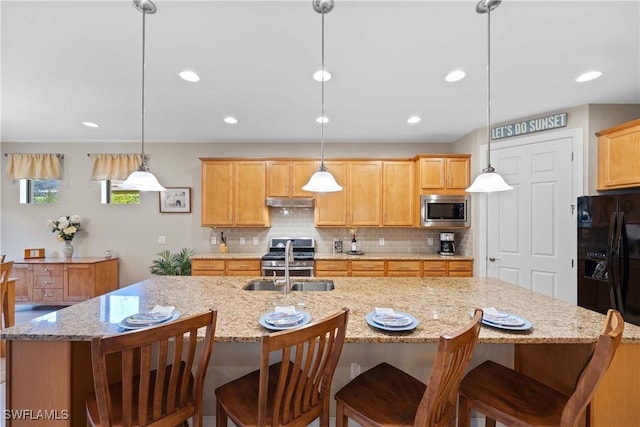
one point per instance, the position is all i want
(53, 351)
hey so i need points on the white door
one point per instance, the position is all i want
(531, 230)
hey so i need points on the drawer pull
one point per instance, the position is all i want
(46, 282)
(46, 269)
(48, 295)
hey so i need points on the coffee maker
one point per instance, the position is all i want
(447, 246)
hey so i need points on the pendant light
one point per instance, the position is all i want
(142, 179)
(489, 180)
(322, 181)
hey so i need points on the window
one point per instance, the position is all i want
(38, 191)
(112, 194)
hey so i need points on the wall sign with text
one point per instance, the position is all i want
(539, 124)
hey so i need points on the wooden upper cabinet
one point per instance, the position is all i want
(365, 193)
(217, 193)
(444, 174)
(250, 190)
(331, 208)
(619, 156)
(234, 193)
(397, 193)
(285, 178)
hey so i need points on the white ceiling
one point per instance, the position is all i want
(64, 62)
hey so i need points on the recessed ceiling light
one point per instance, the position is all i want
(322, 119)
(455, 75)
(321, 75)
(189, 76)
(413, 120)
(90, 124)
(591, 75)
(230, 120)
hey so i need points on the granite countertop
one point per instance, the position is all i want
(442, 306)
(408, 256)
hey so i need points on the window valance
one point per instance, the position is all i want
(34, 166)
(114, 166)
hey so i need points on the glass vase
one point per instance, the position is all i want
(67, 249)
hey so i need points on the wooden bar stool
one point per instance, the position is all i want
(387, 396)
(5, 318)
(155, 386)
(514, 399)
(295, 391)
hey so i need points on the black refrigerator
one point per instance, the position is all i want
(609, 254)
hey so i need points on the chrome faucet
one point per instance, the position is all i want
(288, 257)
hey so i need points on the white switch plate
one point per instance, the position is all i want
(162, 240)
(430, 241)
(255, 241)
(242, 241)
(355, 369)
(214, 240)
(381, 241)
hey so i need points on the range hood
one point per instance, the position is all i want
(290, 202)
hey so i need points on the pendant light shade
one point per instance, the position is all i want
(322, 181)
(142, 179)
(489, 180)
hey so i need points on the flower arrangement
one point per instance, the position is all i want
(65, 227)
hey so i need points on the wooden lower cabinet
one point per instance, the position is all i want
(43, 281)
(331, 268)
(460, 268)
(367, 268)
(230, 267)
(435, 269)
(404, 269)
(394, 268)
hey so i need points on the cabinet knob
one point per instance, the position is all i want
(46, 282)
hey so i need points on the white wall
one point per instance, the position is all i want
(131, 232)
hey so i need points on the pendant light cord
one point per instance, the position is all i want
(322, 118)
(144, 14)
(489, 167)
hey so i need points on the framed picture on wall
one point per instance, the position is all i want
(175, 200)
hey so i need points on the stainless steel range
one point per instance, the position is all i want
(273, 263)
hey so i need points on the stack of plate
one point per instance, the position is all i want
(279, 320)
(504, 320)
(390, 320)
(147, 318)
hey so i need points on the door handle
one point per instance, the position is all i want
(493, 259)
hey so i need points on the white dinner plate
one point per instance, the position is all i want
(523, 324)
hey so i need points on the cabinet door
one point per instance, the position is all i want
(22, 272)
(458, 174)
(397, 193)
(365, 195)
(301, 171)
(79, 282)
(250, 194)
(331, 208)
(618, 156)
(278, 178)
(432, 173)
(217, 193)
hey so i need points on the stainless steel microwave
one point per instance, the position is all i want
(445, 211)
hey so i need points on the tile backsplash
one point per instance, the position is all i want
(299, 223)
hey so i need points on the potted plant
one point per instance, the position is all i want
(170, 264)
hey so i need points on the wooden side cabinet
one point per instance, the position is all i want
(64, 282)
(619, 156)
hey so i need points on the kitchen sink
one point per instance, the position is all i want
(297, 285)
